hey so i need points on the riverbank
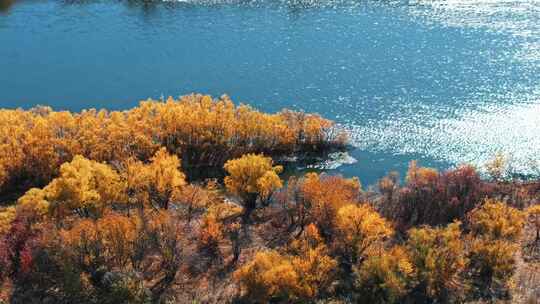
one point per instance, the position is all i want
(122, 221)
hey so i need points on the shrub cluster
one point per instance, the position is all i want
(112, 217)
(205, 132)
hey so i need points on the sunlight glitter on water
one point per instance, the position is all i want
(520, 18)
(475, 137)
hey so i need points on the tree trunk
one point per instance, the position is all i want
(250, 203)
(235, 242)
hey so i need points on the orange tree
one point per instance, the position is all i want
(301, 275)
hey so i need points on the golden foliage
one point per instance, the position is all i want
(35, 202)
(305, 272)
(111, 238)
(87, 187)
(211, 235)
(310, 259)
(84, 186)
(252, 176)
(114, 236)
(386, 277)
(389, 183)
(119, 234)
(83, 239)
(84, 150)
(492, 263)
(302, 276)
(318, 188)
(438, 257)
(33, 144)
(496, 229)
(165, 174)
(268, 183)
(269, 275)
(157, 183)
(325, 195)
(7, 215)
(360, 231)
(311, 238)
(497, 220)
(316, 272)
(143, 249)
(135, 174)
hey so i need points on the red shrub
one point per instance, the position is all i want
(13, 247)
(434, 198)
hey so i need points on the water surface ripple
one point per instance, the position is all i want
(444, 82)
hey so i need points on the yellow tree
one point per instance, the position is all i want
(109, 240)
(118, 234)
(84, 186)
(384, 278)
(360, 232)
(137, 179)
(492, 265)
(34, 143)
(252, 177)
(497, 168)
(421, 176)
(166, 178)
(316, 272)
(310, 259)
(301, 276)
(211, 235)
(268, 276)
(496, 220)
(438, 258)
(496, 229)
(155, 184)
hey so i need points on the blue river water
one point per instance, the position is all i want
(443, 82)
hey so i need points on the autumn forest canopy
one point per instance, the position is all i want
(185, 201)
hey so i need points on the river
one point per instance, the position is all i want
(444, 82)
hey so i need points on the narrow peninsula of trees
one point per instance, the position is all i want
(182, 202)
(202, 131)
